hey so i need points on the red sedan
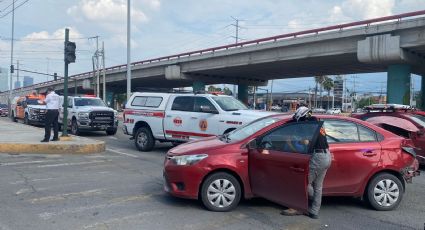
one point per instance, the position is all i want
(269, 158)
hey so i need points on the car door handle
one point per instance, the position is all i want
(369, 154)
(193, 118)
(296, 169)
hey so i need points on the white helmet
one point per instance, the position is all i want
(302, 112)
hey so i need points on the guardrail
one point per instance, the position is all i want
(252, 42)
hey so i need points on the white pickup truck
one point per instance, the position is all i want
(176, 118)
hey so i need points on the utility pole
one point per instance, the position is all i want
(271, 94)
(97, 67)
(17, 71)
(236, 25)
(11, 59)
(128, 51)
(104, 72)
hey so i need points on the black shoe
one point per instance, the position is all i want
(44, 140)
(313, 216)
(55, 139)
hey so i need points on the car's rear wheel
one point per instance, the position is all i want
(111, 131)
(385, 192)
(221, 192)
(144, 139)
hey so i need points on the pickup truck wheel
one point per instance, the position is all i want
(384, 192)
(220, 192)
(74, 128)
(144, 139)
(111, 131)
(26, 120)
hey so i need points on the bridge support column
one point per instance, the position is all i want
(398, 84)
(198, 86)
(243, 93)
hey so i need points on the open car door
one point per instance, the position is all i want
(279, 164)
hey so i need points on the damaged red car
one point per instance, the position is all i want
(401, 120)
(257, 160)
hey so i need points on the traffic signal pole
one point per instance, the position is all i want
(69, 57)
(65, 88)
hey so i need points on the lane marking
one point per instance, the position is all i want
(71, 164)
(33, 180)
(67, 195)
(113, 202)
(121, 153)
(26, 162)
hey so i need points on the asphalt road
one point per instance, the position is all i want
(122, 189)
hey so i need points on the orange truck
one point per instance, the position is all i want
(30, 109)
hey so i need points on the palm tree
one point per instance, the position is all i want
(328, 84)
(319, 82)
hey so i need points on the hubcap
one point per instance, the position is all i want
(142, 139)
(221, 193)
(386, 192)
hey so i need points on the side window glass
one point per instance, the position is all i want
(294, 138)
(366, 135)
(202, 104)
(153, 101)
(139, 101)
(183, 104)
(341, 131)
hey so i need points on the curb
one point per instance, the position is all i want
(47, 148)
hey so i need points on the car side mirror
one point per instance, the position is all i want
(208, 109)
(252, 144)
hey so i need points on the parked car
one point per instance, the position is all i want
(252, 161)
(177, 118)
(318, 110)
(4, 111)
(401, 120)
(30, 109)
(89, 113)
(334, 111)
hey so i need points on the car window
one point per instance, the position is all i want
(204, 102)
(183, 103)
(294, 138)
(147, 101)
(251, 128)
(341, 131)
(366, 135)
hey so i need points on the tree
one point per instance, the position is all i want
(227, 91)
(212, 88)
(328, 84)
(319, 82)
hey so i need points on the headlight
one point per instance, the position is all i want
(188, 159)
(83, 115)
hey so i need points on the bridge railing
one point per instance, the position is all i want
(340, 27)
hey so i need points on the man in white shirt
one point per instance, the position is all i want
(52, 104)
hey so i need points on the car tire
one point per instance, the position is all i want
(214, 200)
(26, 120)
(384, 192)
(144, 140)
(75, 130)
(111, 131)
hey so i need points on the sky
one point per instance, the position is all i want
(166, 27)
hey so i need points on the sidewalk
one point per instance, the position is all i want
(20, 138)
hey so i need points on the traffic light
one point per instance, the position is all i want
(12, 68)
(70, 52)
(55, 76)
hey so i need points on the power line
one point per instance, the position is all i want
(4, 15)
(13, 1)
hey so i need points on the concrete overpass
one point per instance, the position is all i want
(393, 44)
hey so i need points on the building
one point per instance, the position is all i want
(28, 81)
(17, 84)
(338, 88)
(4, 79)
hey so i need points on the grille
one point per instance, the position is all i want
(102, 116)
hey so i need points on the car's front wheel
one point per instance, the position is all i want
(221, 192)
(385, 192)
(111, 131)
(75, 130)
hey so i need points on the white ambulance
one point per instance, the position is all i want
(171, 117)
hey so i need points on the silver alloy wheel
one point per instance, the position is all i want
(221, 193)
(142, 139)
(386, 192)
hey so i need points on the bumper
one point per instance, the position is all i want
(89, 125)
(183, 181)
(37, 118)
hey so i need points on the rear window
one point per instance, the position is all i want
(147, 101)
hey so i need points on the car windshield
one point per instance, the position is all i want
(229, 103)
(88, 102)
(33, 101)
(251, 128)
(3, 106)
(418, 119)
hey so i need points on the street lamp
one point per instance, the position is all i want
(128, 51)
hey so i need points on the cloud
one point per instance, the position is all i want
(362, 9)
